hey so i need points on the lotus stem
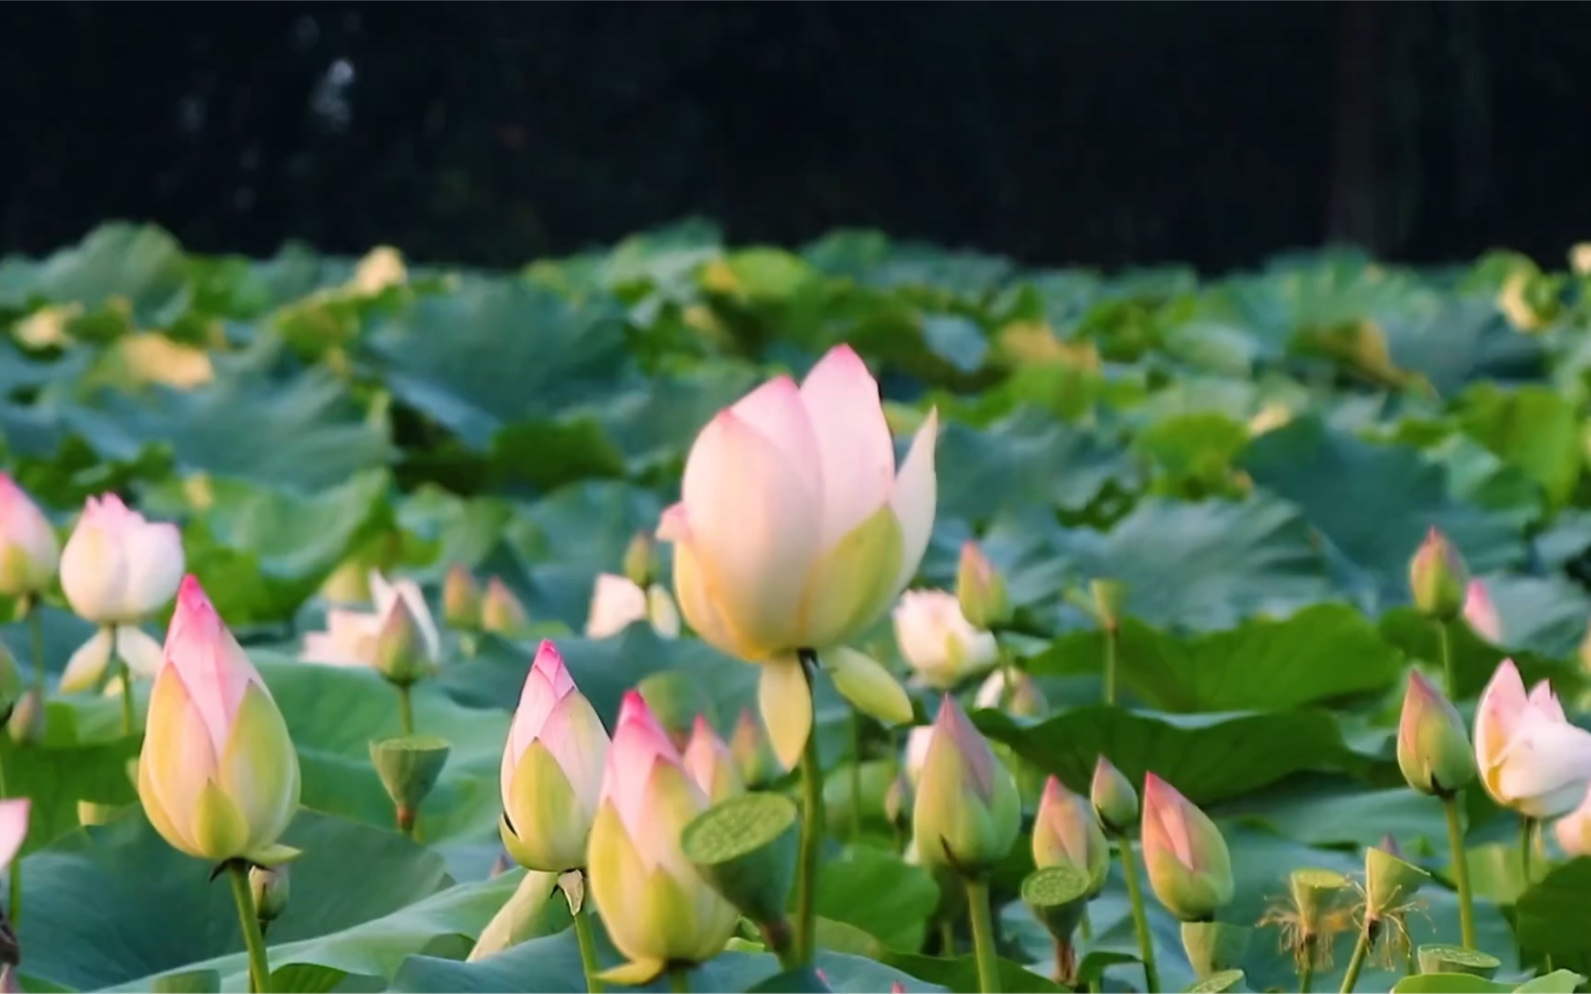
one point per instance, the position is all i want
(1361, 950)
(1466, 898)
(1444, 642)
(1140, 919)
(249, 919)
(679, 980)
(14, 902)
(1111, 635)
(405, 709)
(1527, 832)
(983, 935)
(588, 949)
(811, 829)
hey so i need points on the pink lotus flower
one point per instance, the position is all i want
(711, 764)
(1190, 868)
(29, 550)
(353, 638)
(1530, 758)
(13, 828)
(117, 568)
(617, 602)
(938, 643)
(1481, 613)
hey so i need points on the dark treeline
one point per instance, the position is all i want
(1057, 132)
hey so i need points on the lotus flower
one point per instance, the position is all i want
(13, 828)
(1438, 577)
(1433, 749)
(711, 764)
(218, 776)
(1574, 829)
(617, 602)
(795, 531)
(657, 909)
(1530, 758)
(118, 568)
(967, 813)
(1112, 796)
(938, 643)
(29, 550)
(1481, 614)
(552, 769)
(399, 639)
(1190, 868)
(1066, 833)
(980, 589)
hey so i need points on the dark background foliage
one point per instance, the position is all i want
(1058, 132)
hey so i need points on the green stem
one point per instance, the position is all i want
(14, 904)
(679, 980)
(30, 610)
(1466, 898)
(811, 829)
(947, 938)
(129, 722)
(1527, 831)
(1361, 950)
(856, 775)
(248, 918)
(405, 710)
(780, 939)
(983, 935)
(1449, 673)
(1085, 927)
(588, 950)
(1140, 920)
(1110, 665)
(1306, 973)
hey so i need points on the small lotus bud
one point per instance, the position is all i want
(898, 801)
(1066, 833)
(675, 699)
(981, 590)
(967, 813)
(1438, 578)
(1113, 798)
(401, 655)
(270, 887)
(1109, 596)
(409, 768)
(1190, 868)
(1481, 614)
(1433, 750)
(1025, 700)
(640, 559)
(502, 613)
(753, 752)
(27, 721)
(1390, 883)
(710, 764)
(461, 599)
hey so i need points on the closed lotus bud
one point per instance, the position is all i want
(218, 776)
(502, 613)
(27, 723)
(461, 599)
(271, 887)
(552, 769)
(617, 603)
(656, 907)
(967, 813)
(940, 645)
(1529, 756)
(1026, 700)
(640, 559)
(1114, 801)
(1433, 750)
(402, 656)
(1573, 830)
(29, 550)
(1481, 614)
(117, 567)
(1438, 578)
(1066, 833)
(1190, 869)
(710, 763)
(980, 589)
(753, 753)
(917, 741)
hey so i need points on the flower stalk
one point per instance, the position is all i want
(249, 921)
(1140, 918)
(1466, 897)
(811, 830)
(983, 934)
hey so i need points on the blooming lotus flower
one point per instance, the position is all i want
(1481, 614)
(1433, 750)
(1574, 829)
(795, 531)
(1190, 869)
(939, 644)
(967, 812)
(218, 776)
(1530, 758)
(412, 645)
(711, 764)
(617, 602)
(552, 769)
(117, 568)
(657, 909)
(29, 550)
(1066, 833)
(1438, 577)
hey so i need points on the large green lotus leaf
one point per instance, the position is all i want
(652, 427)
(1374, 503)
(450, 529)
(1336, 811)
(585, 526)
(1193, 453)
(140, 265)
(1322, 653)
(1452, 341)
(1209, 758)
(1530, 427)
(1546, 615)
(1553, 917)
(262, 552)
(334, 713)
(115, 903)
(305, 432)
(1204, 565)
(1474, 659)
(82, 758)
(880, 893)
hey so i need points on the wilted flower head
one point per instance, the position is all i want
(1531, 759)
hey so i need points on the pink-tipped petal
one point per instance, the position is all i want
(209, 661)
(1166, 806)
(674, 525)
(915, 498)
(13, 828)
(775, 411)
(639, 744)
(1501, 705)
(858, 456)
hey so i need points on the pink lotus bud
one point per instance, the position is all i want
(118, 568)
(1433, 750)
(502, 613)
(1190, 868)
(29, 550)
(1066, 833)
(980, 589)
(1114, 801)
(1481, 613)
(1531, 759)
(1437, 577)
(967, 812)
(14, 814)
(710, 763)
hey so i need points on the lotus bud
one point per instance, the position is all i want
(1529, 756)
(401, 654)
(1573, 830)
(640, 559)
(1066, 833)
(1481, 614)
(980, 589)
(675, 699)
(461, 599)
(1114, 801)
(917, 741)
(754, 758)
(967, 813)
(218, 776)
(1438, 578)
(502, 613)
(1025, 700)
(710, 763)
(29, 550)
(271, 887)
(27, 723)
(1109, 597)
(1390, 883)
(1433, 750)
(940, 645)
(117, 567)
(658, 910)
(552, 769)
(1190, 869)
